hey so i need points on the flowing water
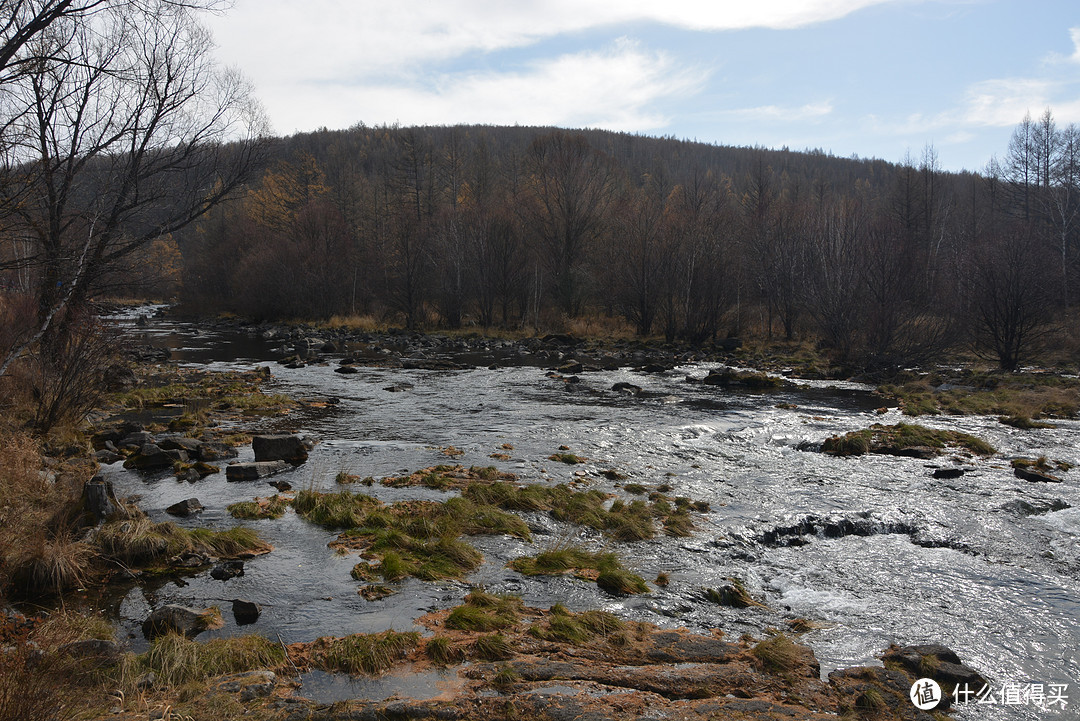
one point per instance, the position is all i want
(871, 549)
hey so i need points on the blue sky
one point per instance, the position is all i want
(873, 78)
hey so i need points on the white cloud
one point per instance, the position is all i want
(615, 88)
(331, 39)
(1004, 101)
(787, 114)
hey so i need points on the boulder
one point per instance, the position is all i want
(152, 457)
(107, 457)
(948, 473)
(190, 446)
(188, 474)
(109, 436)
(655, 368)
(227, 569)
(215, 451)
(118, 378)
(284, 447)
(939, 662)
(623, 387)
(185, 508)
(186, 621)
(136, 439)
(1033, 476)
(346, 370)
(249, 684)
(245, 611)
(254, 471)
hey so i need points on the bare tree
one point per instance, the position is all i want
(571, 185)
(119, 130)
(1011, 304)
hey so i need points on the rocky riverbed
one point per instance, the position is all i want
(846, 554)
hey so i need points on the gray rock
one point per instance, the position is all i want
(151, 457)
(250, 685)
(283, 447)
(215, 451)
(227, 569)
(186, 621)
(107, 457)
(254, 471)
(180, 443)
(1026, 474)
(245, 611)
(138, 439)
(185, 508)
(623, 387)
(188, 474)
(98, 500)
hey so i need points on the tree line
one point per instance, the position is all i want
(131, 164)
(884, 264)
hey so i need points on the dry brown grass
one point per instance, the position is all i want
(37, 551)
(356, 323)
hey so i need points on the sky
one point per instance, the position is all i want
(869, 78)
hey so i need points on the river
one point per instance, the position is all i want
(873, 549)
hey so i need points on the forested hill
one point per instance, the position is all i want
(487, 226)
(635, 154)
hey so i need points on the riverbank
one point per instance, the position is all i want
(475, 414)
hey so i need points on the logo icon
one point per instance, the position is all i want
(925, 694)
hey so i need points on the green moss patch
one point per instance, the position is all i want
(603, 568)
(622, 521)
(446, 477)
(420, 539)
(260, 508)
(904, 439)
(1029, 395)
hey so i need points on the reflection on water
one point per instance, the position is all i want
(972, 569)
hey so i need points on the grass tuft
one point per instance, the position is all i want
(261, 508)
(495, 647)
(175, 660)
(442, 652)
(365, 653)
(777, 654)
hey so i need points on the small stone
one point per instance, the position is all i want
(245, 611)
(185, 508)
(226, 570)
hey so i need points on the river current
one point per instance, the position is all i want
(873, 550)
